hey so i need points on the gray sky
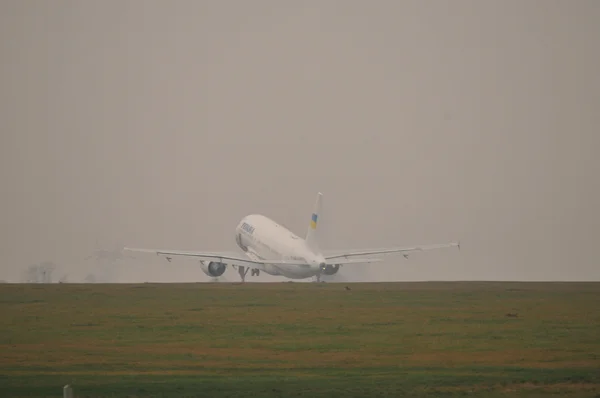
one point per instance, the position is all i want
(162, 123)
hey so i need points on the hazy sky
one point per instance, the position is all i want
(162, 123)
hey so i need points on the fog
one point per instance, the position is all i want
(160, 124)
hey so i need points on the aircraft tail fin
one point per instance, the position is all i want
(311, 235)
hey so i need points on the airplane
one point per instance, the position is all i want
(272, 248)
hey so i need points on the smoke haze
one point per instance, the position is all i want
(161, 124)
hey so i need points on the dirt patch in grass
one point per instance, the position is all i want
(522, 358)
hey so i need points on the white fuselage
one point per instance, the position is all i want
(263, 239)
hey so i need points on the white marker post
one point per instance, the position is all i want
(67, 391)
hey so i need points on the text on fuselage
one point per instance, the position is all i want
(248, 228)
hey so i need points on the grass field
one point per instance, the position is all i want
(301, 339)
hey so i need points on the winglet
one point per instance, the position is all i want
(311, 234)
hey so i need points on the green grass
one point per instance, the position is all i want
(291, 339)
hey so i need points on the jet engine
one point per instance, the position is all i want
(212, 268)
(331, 269)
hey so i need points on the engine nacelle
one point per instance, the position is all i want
(331, 269)
(212, 268)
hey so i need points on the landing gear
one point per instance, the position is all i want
(243, 271)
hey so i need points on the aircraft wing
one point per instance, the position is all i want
(341, 254)
(225, 257)
(344, 261)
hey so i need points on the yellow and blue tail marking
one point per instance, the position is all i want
(313, 221)
(311, 234)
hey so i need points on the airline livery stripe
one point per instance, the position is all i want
(314, 218)
(313, 222)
